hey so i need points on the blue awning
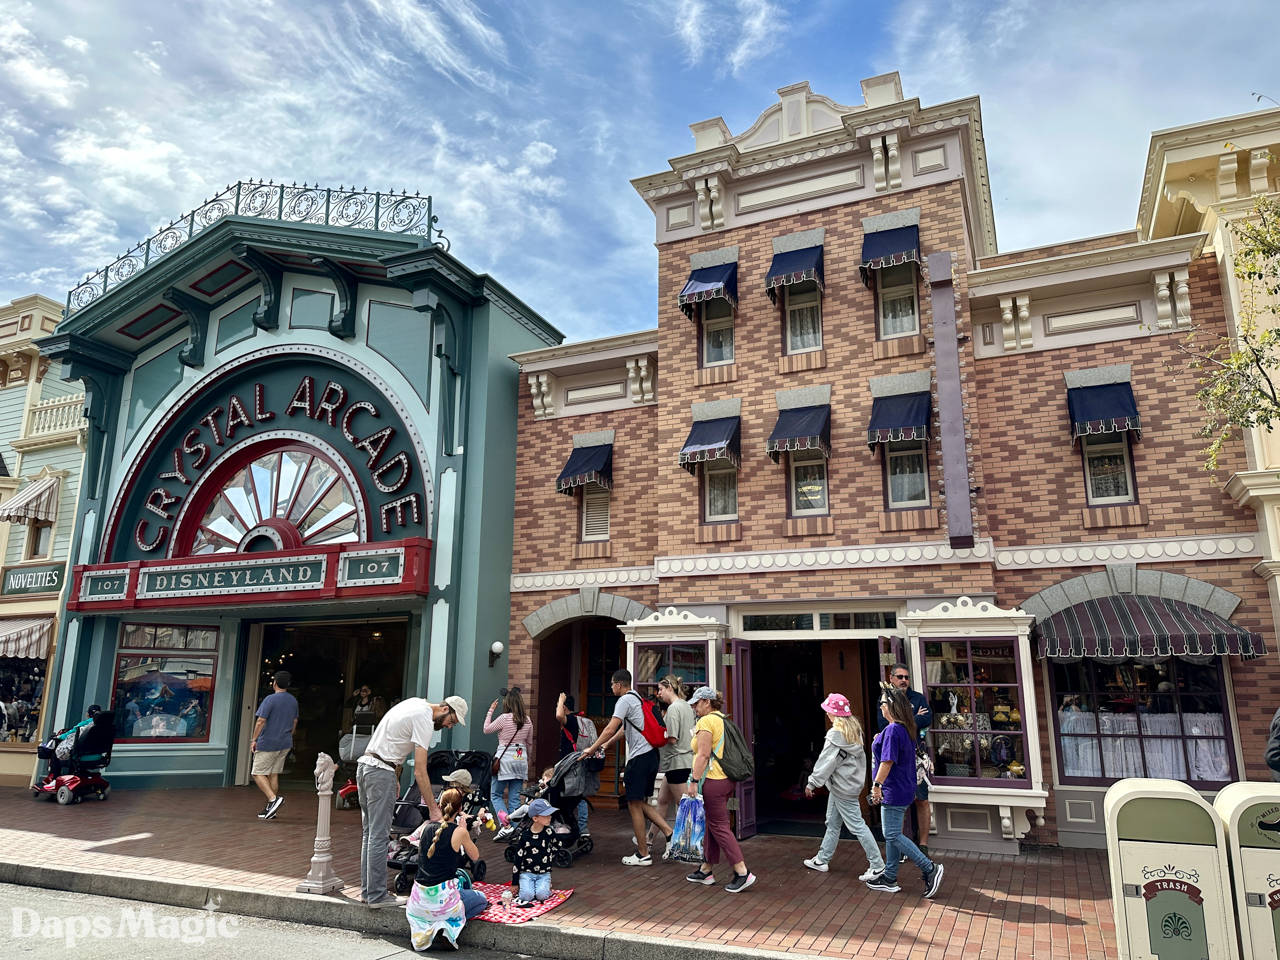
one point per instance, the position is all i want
(801, 428)
(708, 284)
(904, 417)
(794, 266)
(587, 465)
(1107, 408)
(888, 248)
(713, 440)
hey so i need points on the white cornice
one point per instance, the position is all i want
(1092, 553)
(573, 579)
(913, 554)
(1188, 246)
(639, 341)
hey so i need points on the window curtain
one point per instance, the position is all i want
(899, 316)
(722, 493)
(1121, 754)
(806, 330)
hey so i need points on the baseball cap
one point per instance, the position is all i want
(459, 707)
(837, 705)
(460, 777)
(702, 693)
(540, 808)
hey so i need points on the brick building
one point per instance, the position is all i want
(860, 434)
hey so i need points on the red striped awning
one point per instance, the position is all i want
(37, 501)
(1142, 626)
(26, 638)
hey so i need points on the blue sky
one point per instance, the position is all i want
(527, 120)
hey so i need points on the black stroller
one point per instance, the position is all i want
(410, 813)
(569, 785)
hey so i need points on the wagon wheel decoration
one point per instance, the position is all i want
(281, 501)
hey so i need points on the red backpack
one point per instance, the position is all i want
(655, 731)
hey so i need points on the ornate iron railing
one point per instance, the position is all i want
(387, 212)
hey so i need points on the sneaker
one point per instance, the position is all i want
(273, 808)
(871, 874)
(933, 882)
(882, 884)
(387, 902)
(266, 811)
(635, 860)
(503, 834)
(816, 864)
(903, 859)
(522, 904)
(699, 877)
(740, 882)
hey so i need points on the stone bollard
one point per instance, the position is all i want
(321, 879)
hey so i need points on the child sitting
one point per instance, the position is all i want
(535, 851)
(511, 823)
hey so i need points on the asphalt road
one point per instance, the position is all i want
(49, 924)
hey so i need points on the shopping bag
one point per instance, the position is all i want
(691, 824)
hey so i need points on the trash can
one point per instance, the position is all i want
(1170, 885)
(1251, 814)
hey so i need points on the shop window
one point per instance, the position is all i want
(717, 332)
(1142, 719)
(906, 474)
(973, 690)
(857, 621)
(808, 483)
(777, 621)
(688, 661)
(896, 287)
(39, 539)
(595, 512)
(21, 695)
(720, 493)
(164, 682)
(804, 317)
(1108, 469)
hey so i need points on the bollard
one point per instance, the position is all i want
(321, 879)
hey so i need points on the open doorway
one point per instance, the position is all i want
(331, 663)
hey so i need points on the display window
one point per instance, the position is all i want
(974, 690)
(1163, 718)
(164, 682)
(688, 661)
(21, 695)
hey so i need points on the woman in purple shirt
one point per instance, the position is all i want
(893, 758)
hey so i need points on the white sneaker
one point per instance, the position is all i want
(816, 864)
(871, 873)
(635, 860)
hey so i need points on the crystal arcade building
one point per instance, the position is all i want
(300, 454)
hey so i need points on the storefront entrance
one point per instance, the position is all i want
(331, 663)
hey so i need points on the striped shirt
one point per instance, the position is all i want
(505, 728)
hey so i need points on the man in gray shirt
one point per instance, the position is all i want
(642, 764)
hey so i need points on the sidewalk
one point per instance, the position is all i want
(1054, 904)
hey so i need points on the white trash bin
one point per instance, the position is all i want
(1251, 815)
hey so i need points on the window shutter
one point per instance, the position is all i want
(595, 512)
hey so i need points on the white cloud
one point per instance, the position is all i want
(76, 44)
(28, 68)
(538, 154)
(424, 31)
(761, 24)
(732, 33)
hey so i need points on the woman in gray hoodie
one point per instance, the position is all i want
(841, 768)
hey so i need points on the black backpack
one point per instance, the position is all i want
(736, 761)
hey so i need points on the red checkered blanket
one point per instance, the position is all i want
(495, 913)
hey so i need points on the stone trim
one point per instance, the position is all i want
(811, 526)
(569, 579)
(816, 396)
(1226, 546)
(1123, 515)
(799, 362)
(899, 347)
(585, 603)
(713, 258)
(592, 549)
(800, 241)
(919, 553)
(894, 521)
(716, 409)
(1098, 376)
(892, 221)
(1114, 582)
(710, 376)
(597, 438)
(900, 384)
(718, 532)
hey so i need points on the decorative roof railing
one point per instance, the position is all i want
(387, 212)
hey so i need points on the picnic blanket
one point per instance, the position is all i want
(495, 913)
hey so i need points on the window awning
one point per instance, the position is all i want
(904, 417)
(1109, 408)
(708, 283)
(713, 440)
(888, 248)
(801, 428)
(794, 266)
(26, 638)
(587, 465)
(1137, 625)
(39, 501)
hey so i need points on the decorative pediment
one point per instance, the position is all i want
(673, 624)
(967, 617)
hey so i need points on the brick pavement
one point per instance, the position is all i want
(1051, 904)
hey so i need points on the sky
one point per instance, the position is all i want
(526, 121)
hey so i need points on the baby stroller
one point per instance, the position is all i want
(350, 749)
(569, 784)
(90, 754)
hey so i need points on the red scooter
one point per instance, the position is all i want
(90, 754)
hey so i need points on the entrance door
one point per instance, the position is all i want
(743, 714)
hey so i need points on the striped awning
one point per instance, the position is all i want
(39, 501)
(1136, 625)
(26, 638)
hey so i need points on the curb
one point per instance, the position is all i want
(534, 938)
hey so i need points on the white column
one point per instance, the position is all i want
(322, 879)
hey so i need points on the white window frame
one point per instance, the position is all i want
(713, 324)
(593, 495)
(885, 294)
(1121, 444)
(717, 467)
(797, 458)
(33, 534)
(920, 447)
(808, 297)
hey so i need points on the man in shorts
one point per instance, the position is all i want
(277, 719)
(642, 765)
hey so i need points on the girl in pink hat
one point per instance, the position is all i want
(841, 768)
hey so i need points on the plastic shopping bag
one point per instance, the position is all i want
(691, 824)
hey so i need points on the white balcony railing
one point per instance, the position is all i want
(61, 415)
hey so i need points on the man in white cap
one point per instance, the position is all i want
(406, 728)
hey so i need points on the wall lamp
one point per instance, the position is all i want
(495, 652)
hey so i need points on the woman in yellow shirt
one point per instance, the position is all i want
(708, 747)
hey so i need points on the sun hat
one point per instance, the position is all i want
(702, 693)
(461, 778)
(459, 707)
(837, 705)
(540, 808)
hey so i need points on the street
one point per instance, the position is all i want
(39, 923)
